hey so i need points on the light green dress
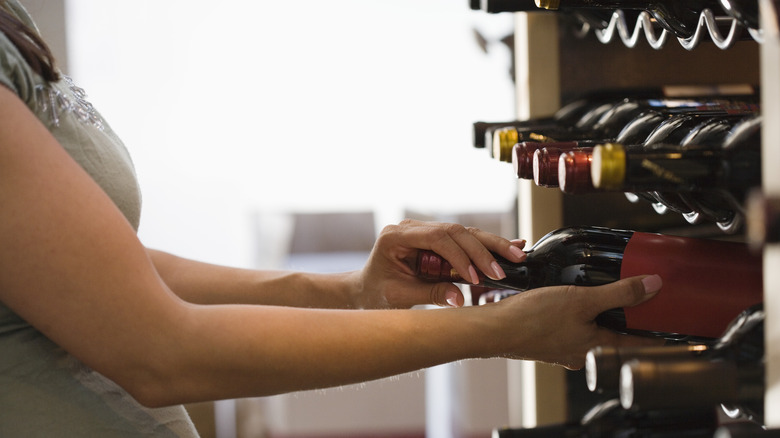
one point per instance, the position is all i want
(44, 391)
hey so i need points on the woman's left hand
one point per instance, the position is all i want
(388, 280)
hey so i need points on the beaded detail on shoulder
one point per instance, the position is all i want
(53, 102)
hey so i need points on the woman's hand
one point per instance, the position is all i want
(388, 279)
(557, 324)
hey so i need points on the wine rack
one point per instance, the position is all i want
(723, 31)
(770, 97)
(553, 58)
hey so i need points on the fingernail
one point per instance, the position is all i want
(451, 298)
(499, 273)
(652, 283)
(517, 252)
(473, 275)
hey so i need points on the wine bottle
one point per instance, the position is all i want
(574, 165)
(730, 374)
(608, 120)
(681, 18)
(733, 168)
(725, 206)
(602, 364)
(706, 130)
(649, 127)
(711, 182)
(634, 131)
(566, 115)
(698, 297)
(676, 128)
(727, 98)
(504, 139)
(602, 122)
(574, 176)
(608, 420)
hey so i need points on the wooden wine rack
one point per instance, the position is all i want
(553, 63)
(770, 100)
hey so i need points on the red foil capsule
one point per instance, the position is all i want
(546, 166)
(574, 171)
(523, 155)
(431, 266)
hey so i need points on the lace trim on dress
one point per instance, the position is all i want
(54, 103)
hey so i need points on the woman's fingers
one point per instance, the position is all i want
(623, 293)
(467, 249)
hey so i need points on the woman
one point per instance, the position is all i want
(100, 336)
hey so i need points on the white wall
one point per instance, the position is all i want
(234, 106)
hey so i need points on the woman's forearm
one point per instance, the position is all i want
(205, 283)
(241, 351)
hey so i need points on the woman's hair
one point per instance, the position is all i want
(29, 43)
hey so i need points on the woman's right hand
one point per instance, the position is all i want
(557, 325)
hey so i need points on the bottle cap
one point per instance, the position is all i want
(601, 362)
(674, 383)
(523, 155)
(574, 171)
(608, 166)
(523, 158)
(548, 4)
(545, 165)
(503, 141)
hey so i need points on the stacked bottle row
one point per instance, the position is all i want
(695, 156)
(675, 390)
(707, 282)
(678, 17)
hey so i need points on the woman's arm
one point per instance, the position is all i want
(205, 283)
(387, 281)
(72, 266)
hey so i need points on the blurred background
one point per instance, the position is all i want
(239, 107)
(286, 134)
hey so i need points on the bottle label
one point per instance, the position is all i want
(706, 283)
